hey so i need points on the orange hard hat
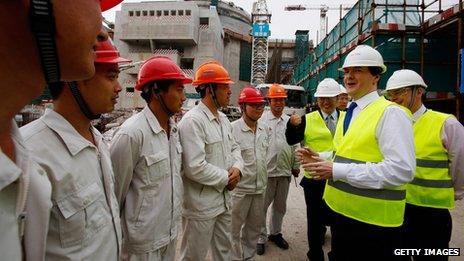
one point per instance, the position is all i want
(106, 52)
(250, 95)
(276, 91)
(107, 4)
(211, 72)
(159, 68)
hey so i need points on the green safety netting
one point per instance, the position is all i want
(440, 57)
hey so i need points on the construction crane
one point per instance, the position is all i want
(324, 20)
(261, 18)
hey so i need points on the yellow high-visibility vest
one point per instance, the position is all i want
(381, 207)
(317, 136)
(432, 185)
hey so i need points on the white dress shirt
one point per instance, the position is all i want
(395, 138)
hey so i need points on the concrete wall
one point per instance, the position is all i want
(162, 21)
(178, 36)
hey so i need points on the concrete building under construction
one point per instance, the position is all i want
(190, 33)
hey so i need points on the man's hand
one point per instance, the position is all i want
(305, 155)
(295, 172)
(234, 178)
(319, 168)
(295, 119)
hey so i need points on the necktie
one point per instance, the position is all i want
(330, 124)
(348, 116)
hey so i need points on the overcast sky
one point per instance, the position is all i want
(283, 23)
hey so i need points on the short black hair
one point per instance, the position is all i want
(161, 86)
(55, 88)
(375, 70)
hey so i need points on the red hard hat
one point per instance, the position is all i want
(250, 95)
(159, 68)
(107, 4)
(107, 53)
(211, 72)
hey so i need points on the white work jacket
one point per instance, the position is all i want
(281, 156)
(148, 182)
(210, 150)
(24, 204)
(84, 220)
(253, 147)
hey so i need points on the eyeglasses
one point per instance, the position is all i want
(256, 105)
(395, 93)
(328, 99)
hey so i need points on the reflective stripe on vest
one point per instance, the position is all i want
(316, 135)
(381, 207)
(370, 193)
(432, 185)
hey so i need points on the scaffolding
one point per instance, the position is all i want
(425, 36)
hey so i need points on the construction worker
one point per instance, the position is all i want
(248, 197)
(84, 219)
(316, 130)
(212, 167)
(374, 159)
(281, 165)
(31, 32)
(146, 155)
(342, 99)
(439, 178)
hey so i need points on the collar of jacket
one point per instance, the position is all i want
(72, 140)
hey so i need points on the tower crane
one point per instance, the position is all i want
(324, 20)
(261, 18)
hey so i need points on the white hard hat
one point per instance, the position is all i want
(327, 88)
(404, 78)
(343, 89)
(364, 55)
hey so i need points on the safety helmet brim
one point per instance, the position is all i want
(382, 67)
(184, 80)
(113, 60)
(108, 4)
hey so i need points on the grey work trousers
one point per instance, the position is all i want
(276, 193)
(165, 253)
(247, 220)
(201, 234)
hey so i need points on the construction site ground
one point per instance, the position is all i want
(294, 230)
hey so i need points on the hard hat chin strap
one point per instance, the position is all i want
(43, 27)
(161, 100)
(85, 109)
(213, 96)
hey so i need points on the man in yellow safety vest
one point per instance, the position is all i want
(374, 159)
(439, 178)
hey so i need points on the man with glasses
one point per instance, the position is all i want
(316, 130)
(281, 164)
(248, 197)
(374, 159)
(343, 99)
(439, 178)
